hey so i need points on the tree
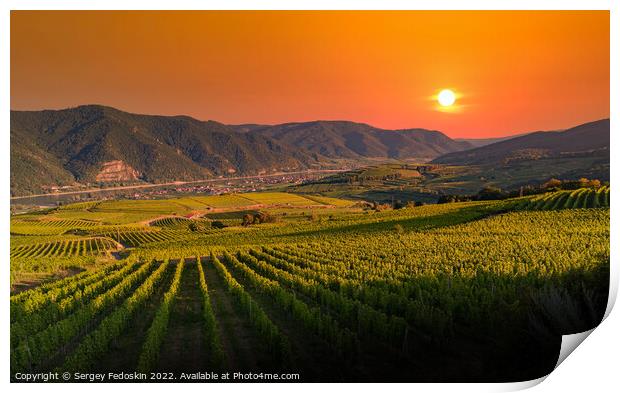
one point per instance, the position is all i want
(398, 204)
(490, 193)
(553, 184)
(199, 226)
(263, 217)
(583, 182)
(447, 199)
(248, 219)
(218, 225)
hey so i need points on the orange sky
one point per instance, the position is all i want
(515, 71)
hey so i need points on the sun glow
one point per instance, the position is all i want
(446, 97)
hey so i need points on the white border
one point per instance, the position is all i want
(592, 367)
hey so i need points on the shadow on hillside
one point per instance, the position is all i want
(503, 328)
(472, 326)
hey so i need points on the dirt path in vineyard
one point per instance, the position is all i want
(312, 357)
(183, 348)
(243, 348)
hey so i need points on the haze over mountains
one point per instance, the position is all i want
(589, 139)
(479, 142)
(98, 144)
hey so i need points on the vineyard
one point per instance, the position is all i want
(80, 206)
(429, 293)
(170, 222)
(136, 238)
(569, 199)
(50, 227)
(67, 248)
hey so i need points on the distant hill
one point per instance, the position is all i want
(92, 143)
(101, 144)
(246, 127)
(345, 139)
(479, 142)
(586, 140)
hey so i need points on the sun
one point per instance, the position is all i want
(446, 97)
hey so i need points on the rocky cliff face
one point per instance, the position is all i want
(117, 170)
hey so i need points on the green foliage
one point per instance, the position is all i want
(394, 284)
(216, 356)
(37, 310)
(156, 333)
(98, 341)
(343, 340)
(218, 224)
(276, 342)
(569, 199)
(171, 222)
(68, 248)
(37, 349)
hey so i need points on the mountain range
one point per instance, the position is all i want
(589, 139)
(345, 139)
(92, 143)
(99, 144)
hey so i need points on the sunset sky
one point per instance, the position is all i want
(512, 71)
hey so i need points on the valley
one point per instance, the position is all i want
(175, 155)
(327, 251)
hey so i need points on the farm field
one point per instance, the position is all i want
(325, 289)
(46, 242)
(407, 180)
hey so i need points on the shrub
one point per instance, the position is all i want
(218, 225)
(248, 219)
(262, 217)
(490, 193)
(199, 226)
(553, 184)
